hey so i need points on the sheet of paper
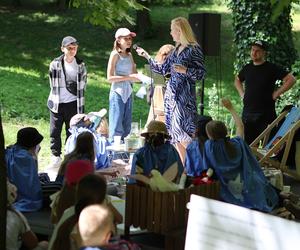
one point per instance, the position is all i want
(215, 225)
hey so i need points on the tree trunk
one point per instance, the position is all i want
(143, 21)
(63, 4)
(3, 187)
(16, 3)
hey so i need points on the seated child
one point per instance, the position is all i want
(18, 231)
(242, 180)
(96, 124)
(22, 169)
(91, 189)
(157, 153)
(194, 151)
(94, 227)
(65, 198)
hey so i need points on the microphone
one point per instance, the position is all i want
(135, 47)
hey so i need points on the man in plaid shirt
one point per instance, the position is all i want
(68, 78)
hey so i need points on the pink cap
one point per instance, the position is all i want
(124, 32)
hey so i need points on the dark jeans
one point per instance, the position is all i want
(256, 123)
(65, 112)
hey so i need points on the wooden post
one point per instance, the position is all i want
(3, 187)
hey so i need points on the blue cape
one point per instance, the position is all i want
(194, 160)
(242, 180)
(23, 173)
(160, 158)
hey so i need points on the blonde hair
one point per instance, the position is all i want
(187, 36)
(102, 129)
(117, 47)
(94, 222)
(164, 52)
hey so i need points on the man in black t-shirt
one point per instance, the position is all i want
(256, 86)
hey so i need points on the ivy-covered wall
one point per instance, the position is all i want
(252, 20)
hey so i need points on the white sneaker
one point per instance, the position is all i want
(55, 162)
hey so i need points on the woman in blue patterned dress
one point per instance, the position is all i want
(185, 65)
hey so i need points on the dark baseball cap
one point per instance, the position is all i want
(68, 40)
(259, 43)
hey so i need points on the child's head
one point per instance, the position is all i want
(91, 189)
(216, 130)
(156, 133)
(123, 40)
(95, 225)
(85, 145)
(164, 52)
(201, 122)
(29, 137)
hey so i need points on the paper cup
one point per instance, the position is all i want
(117, 140)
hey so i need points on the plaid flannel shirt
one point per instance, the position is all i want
(55, 78)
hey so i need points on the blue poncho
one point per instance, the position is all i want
(242, 180)
(23, 173)
(194, 160)
(160, 158)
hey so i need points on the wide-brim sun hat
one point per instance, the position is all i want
(124, 32)
(29, 137)
(156, 127)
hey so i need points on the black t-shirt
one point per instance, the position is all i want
(259, 86)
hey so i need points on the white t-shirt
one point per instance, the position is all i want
(71, 70)
(16, 226)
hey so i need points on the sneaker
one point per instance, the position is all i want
(55, 162)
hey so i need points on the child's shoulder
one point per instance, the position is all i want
(114, 53)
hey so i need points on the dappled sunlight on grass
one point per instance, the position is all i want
(45, 17)
(214, 8)
(30, 39)
(19, 70)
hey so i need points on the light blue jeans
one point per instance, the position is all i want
(120, 116)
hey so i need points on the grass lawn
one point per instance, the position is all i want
(30, 38)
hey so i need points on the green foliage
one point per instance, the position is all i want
(292, 96)
(279, 6)
(252, 20)
(213, 103)
(107, 13)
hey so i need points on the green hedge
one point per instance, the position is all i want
(252, 20)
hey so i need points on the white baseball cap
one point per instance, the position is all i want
(124, 32)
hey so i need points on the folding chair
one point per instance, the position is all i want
(266, 149)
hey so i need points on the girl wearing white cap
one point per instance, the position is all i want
(121, 72)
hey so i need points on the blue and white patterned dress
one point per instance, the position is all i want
(180, 96)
